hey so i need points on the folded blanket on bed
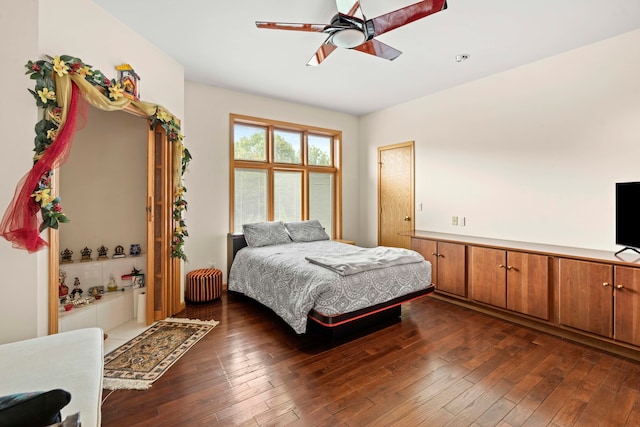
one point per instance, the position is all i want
(365, 259)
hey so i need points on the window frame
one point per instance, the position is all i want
(271, 166)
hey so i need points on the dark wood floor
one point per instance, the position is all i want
(441, 365)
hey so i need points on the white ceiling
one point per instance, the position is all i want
(218, 44)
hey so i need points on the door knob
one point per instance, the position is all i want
(407, 218)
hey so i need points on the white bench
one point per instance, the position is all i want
(72, 361)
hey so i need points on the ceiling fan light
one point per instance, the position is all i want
(348, 38)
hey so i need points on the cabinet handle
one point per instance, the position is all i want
(510, 267)
(501, 266)
(619, 287)
(605, 284)
(434, 253)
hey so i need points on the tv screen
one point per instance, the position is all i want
(627, 221)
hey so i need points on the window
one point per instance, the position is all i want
(284, 172)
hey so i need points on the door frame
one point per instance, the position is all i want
(171, 266)
(410, 144)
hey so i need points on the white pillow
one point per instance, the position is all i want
(306, 231)
(265, 234)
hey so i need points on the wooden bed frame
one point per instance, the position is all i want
(341, 325)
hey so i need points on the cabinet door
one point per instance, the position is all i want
(585, 296)
(429, 250)
(528, 284)
(488, 278)
(452, 269)
(627, 304)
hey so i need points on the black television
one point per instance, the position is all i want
(627, 221)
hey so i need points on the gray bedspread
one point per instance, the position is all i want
(281, 278)
(364, 259)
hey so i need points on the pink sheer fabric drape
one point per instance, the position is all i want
(21, 222)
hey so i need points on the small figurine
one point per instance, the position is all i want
(86, 254)
(129, 81)
(137, 278)
(102, 252)
(62, 288)
(119, 252)
(135, 250)
(66, 256)
(76, 292)
(112, 285)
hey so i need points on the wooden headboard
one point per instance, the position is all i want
(235, 242)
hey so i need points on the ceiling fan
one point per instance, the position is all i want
(350, 29)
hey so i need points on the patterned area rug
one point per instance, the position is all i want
(139, 362)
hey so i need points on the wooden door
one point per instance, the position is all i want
(528, 284)
(488, 275)
(429, 250)
(452, 268)
(395, 194)
(626, 292)
(163, 281)
(586, 296)
(448, 264)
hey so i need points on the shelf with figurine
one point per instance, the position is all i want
(74, 299)
(66, 256)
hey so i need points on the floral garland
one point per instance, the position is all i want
(46, 130)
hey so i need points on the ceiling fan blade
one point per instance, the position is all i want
(350, 8)
(321, 54)
(292, 26)
(377, 48)
(392, 20)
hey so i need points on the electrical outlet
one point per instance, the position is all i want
(454, 220)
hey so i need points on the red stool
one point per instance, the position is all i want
(203, 285)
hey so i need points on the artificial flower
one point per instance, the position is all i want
(52, 134)
(60, 67)
(46, 95)
(43, 196)
(116, 91)
(85, 71)
(55, 114)
(163, 116)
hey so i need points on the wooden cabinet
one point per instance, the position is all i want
(487, 276)
(585, 296)
(448, 264)
(528, 284)
(626, 288)
(517, 281)
(601, 299)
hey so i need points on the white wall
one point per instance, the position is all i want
(103, 184)
(207, 112)
(531, 154)
(19, 312)
(82, 29)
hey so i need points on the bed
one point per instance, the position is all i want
(314, 283)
